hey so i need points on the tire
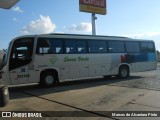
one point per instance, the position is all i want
(47, 79)
(123, 72)
(4, 96)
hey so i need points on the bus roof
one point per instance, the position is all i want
(80, 36)
(83, 36)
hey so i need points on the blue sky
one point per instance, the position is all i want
(131, 18)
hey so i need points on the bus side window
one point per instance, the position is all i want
(147, 47)
(116, 47)
(81, 46)
(132, 47)
(93, 47)
(70, 46)
(43, 46)
(102, 46)
(97, 46)
(56, 45)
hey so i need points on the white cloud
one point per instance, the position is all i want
(143, 35)
(17, 9)
(152, 34)
(15, 19)
(41, 26)
(64, 27)
(82, 27)
(59, 32)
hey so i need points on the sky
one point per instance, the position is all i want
(139, 19)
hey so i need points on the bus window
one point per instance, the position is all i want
(81, 46)
(116, 47)
(147, 47)
(102, 45)
(21, 53)
(93, 48)
(57, 46)
(97, 46)
(43, 46)
(70, 46)
(132, 47)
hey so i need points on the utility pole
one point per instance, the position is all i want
(94, 7)
(94, 18)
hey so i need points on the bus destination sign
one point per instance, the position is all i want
(93, 6)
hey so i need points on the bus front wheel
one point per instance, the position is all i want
(123, 72)
(47, 79)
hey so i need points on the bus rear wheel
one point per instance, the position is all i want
(123, 72)
(47, 79)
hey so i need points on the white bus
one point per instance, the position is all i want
(50, 58)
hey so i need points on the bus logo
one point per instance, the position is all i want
(53, 60)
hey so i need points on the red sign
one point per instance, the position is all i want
(93, 6)
(96, 3)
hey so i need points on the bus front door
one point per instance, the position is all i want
(20, 59)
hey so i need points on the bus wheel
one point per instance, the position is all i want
(48, 79)
(123, 72)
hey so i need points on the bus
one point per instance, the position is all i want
(50, 58)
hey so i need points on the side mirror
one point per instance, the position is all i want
(7, 4)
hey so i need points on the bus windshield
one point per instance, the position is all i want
(21, 53)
